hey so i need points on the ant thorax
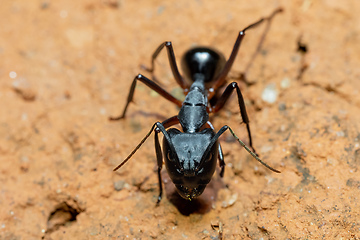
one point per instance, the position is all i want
(193, 114)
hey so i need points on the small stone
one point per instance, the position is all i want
(270, 93)
(119, 185)
(285, 83)
(24, 89)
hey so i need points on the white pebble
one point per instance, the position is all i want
(270, 93)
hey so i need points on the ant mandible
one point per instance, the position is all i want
(191, 155)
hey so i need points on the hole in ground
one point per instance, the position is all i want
(63, 214)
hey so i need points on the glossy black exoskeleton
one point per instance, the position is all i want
(190, 155)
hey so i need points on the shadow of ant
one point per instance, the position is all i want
(201, 205)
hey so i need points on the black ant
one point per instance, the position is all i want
(191, 155)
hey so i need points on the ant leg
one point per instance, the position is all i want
(220, 79)
(170, 121)
(151, 85)
(221, 161)
(220, 154)
(160, 127)
(172, 61)
(157, 127)
(223, 99)
(167, 123)
(259, 45)
(160, 163)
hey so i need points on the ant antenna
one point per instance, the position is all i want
(135, 149)
(248, 149)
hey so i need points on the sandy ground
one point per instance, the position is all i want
(66, 66)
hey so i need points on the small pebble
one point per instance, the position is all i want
(285, 83)
(12, 74)
(270, 93)
(119, 185)
(282, 106)
(23, 87)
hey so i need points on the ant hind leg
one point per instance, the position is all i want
(221, 78)
(172, 62)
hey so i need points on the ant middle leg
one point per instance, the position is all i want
(172, 60)
(151, 85)
(223, 99)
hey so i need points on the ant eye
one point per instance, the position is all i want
(170, 156)
(209, 157)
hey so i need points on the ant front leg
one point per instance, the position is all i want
(157, 128)
(160, 127)
(151, 85)
(165, 124)
(221, 161)
(160, 163)
(223, 99)
(172, 61)
(220, 153)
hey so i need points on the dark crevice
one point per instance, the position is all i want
(330, 89)
(302, 48)
(63, 214)
(263, 230)
(298, 156)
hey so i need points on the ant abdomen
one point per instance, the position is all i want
(202, 62)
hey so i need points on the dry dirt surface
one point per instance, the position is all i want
(66, 66)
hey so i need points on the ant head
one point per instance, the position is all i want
(190, 160)
(202, 62)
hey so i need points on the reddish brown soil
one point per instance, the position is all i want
(67, 65)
